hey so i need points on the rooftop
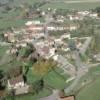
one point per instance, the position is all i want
(16, 80)
(68, 98)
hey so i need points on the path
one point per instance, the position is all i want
(85, 45)
(74, 1)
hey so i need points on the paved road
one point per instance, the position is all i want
(81, 70)
(54, 96)
(85, 45)
(81, 67)
(75, 1)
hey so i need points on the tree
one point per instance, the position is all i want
(25, 68)
(42, 67)
(62, 12)
(38, 86)
(2, 37)
(29, 50)
(72, 45)
(12, 94)
(97, 9)
(2, 80)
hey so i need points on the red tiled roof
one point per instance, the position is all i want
(16, 80)
(68, 98)
(45, 49)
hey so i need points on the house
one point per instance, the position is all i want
(97, 57)
(16, 82)
(60, 19)
(55, 57)
(63, 97)
(13, 50)
(66, 35)
(46, 52)
(22, 90)
(73, 27)
(18, 85)
(9, 36)
(67, 98)
(83, 13)
(32, 22)
(34, 28)
(73, 17)
(93, 15)
(58, 41)
(22, 44)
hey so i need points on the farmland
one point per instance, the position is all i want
(90, 92)
(77, 6)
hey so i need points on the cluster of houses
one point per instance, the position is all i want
(80, 15)
(35, 29)
(46, 46)
(34, 32)
(17, 82)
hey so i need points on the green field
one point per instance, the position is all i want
(53, 79)
(3, 50)
(19, 2)
(13, 18)
(77, 6)
(90, 92)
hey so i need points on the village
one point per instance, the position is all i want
(49, 46)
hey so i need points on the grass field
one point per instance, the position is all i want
(77, 6)
(9, 19)
(6, 58)
(3, 50)
(53, 79)
(19, 2)
(11, 23)
(90, 92)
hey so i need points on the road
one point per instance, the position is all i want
(85, 45)
(81, 70)
(74, 1)
(53, 96)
